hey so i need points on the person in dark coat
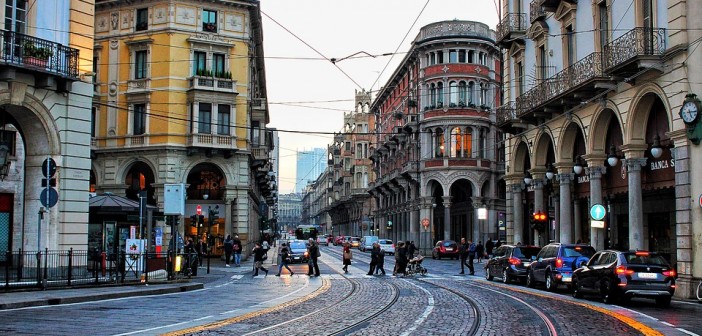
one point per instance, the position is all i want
(489, 245)
(374, 259)
(191, 256)
(463, 254)
(348, 255)
(258, 253)
(479, 251)
(228, 249)
(402, 259)
(381, 261)
(284, 259)
(237, 251)
(471, 256)
(313, 250)
(410, 249)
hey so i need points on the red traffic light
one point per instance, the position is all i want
(539, 217)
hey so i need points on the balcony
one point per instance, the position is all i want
(566, 89)
(138, 85)
(637, 49)
(29, 53)
(212, 141)
(506, 117)
(410, 123)
(511, 28)
(552, 5)
(259, 152)
(213, 84)
(536, 11)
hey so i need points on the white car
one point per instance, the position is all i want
(387, 246)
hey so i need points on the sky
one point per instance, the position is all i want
(307, 93)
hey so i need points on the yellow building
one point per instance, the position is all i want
(180, 97)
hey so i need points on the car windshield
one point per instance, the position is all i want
(449, 243)
(578, 251)
(651, 259)
(385, 242)
(525, 252)
(353, 239)
(298, 245)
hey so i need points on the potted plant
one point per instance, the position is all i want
(34, 55)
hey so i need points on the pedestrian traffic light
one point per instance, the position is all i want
(201, 220)
(193, 220)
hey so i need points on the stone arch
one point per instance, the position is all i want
(485, 189)
(125, 166)
(569, 135)
(543, 141)
(144, 181)
(637, 118)
(206, 178)
(458, 194)
(38, 121)
(520, 157)
(601, 122)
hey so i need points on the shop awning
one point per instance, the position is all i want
(109, 203)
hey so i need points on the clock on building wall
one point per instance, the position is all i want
(690, 114)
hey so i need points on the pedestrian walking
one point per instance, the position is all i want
(228, 249)
(265, 245)
(201, 248)
(411, 249)
(463, 254)
(379, 267)
(313, 252)
(237, 247)
(348, 255)
(191, 256)
(397, 258)
(284, 259)
(498, 243)
(479, 251)
(402, 259)
(471, 256)
(489, 245)
(259, 254)
(374, 259)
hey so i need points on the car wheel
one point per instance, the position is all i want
(550, 283)
(488, 276)
(505, 277)
(530, 281)
(577, 293)
(608, 295)
(663, 302)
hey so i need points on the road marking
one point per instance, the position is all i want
(668, 324)
(237, 277)
(425, 315)
(687, 332)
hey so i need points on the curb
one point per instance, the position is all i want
(85, 297)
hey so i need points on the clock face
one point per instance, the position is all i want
(688, 113)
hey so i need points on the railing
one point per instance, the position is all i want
(536, 10)
(138, 85)
(512, 22)
(581, 72)
(213, 84)
(212, 140)
(260, 153)
(35, 53)
(506, 113)
(637, 42)
(43, 269)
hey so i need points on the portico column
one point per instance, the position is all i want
(447, 217)
(566, 224)
(425, 243)
(478, 223)
(633, 167)
(597, 236)
(517, 213)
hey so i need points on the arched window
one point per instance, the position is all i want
(439, 145)
(471, 87)
(432, 94)
(453, 94)
(467, 143)
(456, 142)
(462, 94)
(471, 56)
(432, 58)
(440, 94)
(365, 180)
(484, 94)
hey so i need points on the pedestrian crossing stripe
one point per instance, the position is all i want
(237, 277)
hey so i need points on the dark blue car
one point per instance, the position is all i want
(555, 263)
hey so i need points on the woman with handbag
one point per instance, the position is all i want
(259, 254)
(347, 257)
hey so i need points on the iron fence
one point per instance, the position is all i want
(66, 268)
(44, 55)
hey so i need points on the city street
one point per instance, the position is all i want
(440, 303)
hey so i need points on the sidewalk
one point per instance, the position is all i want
(218, 270)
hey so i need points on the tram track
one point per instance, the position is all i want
(472, 303)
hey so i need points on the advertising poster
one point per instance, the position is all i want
(135, 260)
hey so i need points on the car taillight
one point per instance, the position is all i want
(622, 270)
(642, 254)
(393, 245)
(559, 263)
(669, 273)
(515, 261)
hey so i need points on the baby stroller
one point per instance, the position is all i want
(415, 266)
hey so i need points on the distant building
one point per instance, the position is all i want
(289, 211)
(310, 164)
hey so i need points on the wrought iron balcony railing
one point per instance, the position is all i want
(536, 10)
(33, 53)
(512, 22)
(638, 42)
(569, 79)
(506, 112)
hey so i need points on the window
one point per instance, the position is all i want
(543, 68)
(520, 79)
(223, 119)
(15, 15)
(432, 59)
(462, 94)
(461, 56)
(255, 132)
(95, 70)
(471, 56)
(440, 94)
(209, 21)
(140, 64)
(604, 23)
(432, 94)
(142, 19)
(440, 57)
(218, 65)
(139, 122)
(93, 118)
(200, 63)
(347, 146)
(453, 56)
(453, 93)
(439, 152)
(204, 119)
(570, 45)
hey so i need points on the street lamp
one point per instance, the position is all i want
(656, 149)
(549, 171)
(612, 158)
(527, 178)
(578, 168)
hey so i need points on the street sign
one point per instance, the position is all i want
(48, 167)
(199, 210)
(48, 197)
(597, 224)
(597, 212)
(425, 222)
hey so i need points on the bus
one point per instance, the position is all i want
(305, 232)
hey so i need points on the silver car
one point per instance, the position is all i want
(387, 246)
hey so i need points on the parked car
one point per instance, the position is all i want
(298, 251)
(555, 264)
(367, 243)
(387, 246)
(355, 241)
(615, 275)
(445, 248)
(510, 262)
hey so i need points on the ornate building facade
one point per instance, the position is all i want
(180, 97)
(595, 121)
(436, 152)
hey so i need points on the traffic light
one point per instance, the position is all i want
(539, 220)
(201, 220)
(193, 220)
(214, 214)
